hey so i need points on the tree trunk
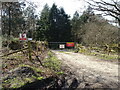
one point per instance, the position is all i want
(119, 23)
(9, 32)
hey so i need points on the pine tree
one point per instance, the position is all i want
(75, 25)
(43, 24)
(12, 19)
(54, 25)
(60, 28)
(64, 26)
(53, 19)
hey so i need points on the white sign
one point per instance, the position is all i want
(23, 36)
(29, 39)
(61, 46)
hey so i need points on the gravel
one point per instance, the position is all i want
(89, 71)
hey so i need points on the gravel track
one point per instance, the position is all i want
(89, 69)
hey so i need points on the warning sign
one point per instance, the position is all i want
(61, 46)
(23, 36)
(70, 44)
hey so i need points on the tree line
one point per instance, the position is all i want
(54, 25)
(17, 17)
(93, 29)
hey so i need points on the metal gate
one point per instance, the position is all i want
(61, 45)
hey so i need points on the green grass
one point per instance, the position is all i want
(98, 52)
(37, 70)
(17, 82)
(108, 57)
(64, 52)
(13, 83)
(52, 62)
(60, 73)
(104, 56)
(40, 78)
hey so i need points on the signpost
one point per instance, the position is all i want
(29, 50)
(22, 36)
(70, 44)
(29, 39)
(61, 46)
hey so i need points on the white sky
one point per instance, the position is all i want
(70, 6)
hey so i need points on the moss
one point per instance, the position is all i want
(20, 81)
(28, 80)
(17, 83)
(34, 68)
(40, 78)
(13, 83)
(60, 73)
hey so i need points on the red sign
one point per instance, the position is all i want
(23, 36)
(70, 44)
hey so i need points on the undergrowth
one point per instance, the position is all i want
(96, 51)
(51, 66)
(52, 62)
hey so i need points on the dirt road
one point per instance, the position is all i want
(90, 71)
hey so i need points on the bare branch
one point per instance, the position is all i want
(114, 5)
(112, 9)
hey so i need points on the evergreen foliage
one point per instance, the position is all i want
(12, 20)
(54, 25)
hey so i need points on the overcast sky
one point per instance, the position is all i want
(70, 6)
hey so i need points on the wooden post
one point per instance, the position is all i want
(29, 50)
(37, 47)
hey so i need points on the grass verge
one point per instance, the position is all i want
(51, 67)
(52, 62)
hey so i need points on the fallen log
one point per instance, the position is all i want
(37, 57)
(14, 52)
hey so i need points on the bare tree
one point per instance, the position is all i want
(111, 8)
